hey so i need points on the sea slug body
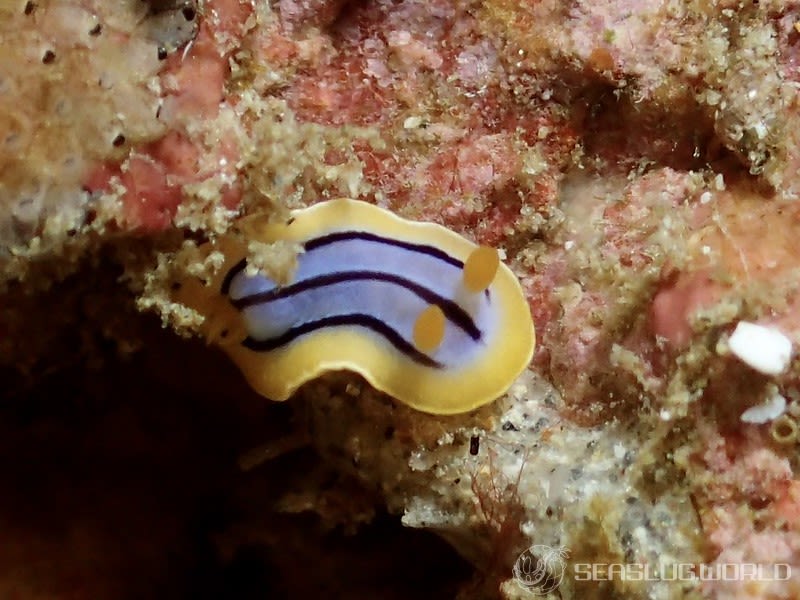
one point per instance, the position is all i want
(420, 312)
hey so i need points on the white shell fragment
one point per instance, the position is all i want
(765, 349)
(769, 410)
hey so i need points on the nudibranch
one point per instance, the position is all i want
(420, 312)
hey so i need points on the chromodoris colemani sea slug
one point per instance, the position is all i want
(423, 314)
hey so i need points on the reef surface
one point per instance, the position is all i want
(635, 162)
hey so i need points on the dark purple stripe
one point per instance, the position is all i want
(358, 320)
(235, 270)
(452, 311)
(344, 236)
